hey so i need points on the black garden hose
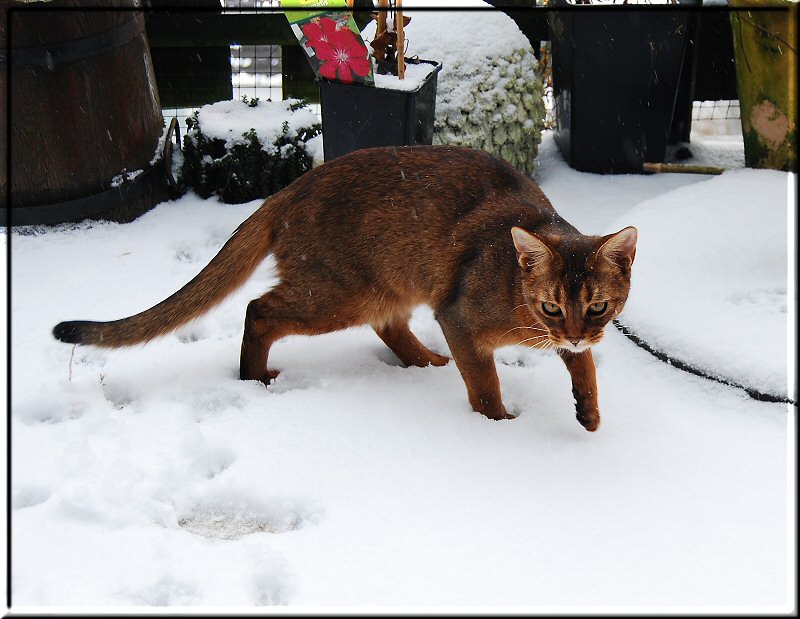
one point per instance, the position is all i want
(687, 367)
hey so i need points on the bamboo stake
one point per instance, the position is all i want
(681, 168)
(382, 6)
(401, 40)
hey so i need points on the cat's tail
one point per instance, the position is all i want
(227, 271)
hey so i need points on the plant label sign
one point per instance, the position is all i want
(332, 42)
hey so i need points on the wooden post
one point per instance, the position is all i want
(382, 6)
(401, 40)
(765, 45)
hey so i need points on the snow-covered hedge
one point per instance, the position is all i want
(501, 110)
(490, 92)
(248, 149)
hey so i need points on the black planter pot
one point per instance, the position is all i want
(355, 116)
(616, 74)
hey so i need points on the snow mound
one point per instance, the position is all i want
(709, 285)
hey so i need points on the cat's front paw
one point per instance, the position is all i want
(438, 360)
(266, 378)
(500, 417)
(498, 414)
(589, 419)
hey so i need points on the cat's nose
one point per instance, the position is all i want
(575, 342)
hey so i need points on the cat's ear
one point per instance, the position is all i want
(531, 250)
(620, 248)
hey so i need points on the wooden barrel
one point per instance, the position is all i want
(84, 109)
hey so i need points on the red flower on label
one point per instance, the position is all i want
(341, 54)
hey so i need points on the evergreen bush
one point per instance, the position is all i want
(254, 163)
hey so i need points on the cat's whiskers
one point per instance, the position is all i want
(531, 328)
(530, 339)
(535, 337)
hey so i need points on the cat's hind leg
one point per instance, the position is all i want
(259, 334)
(280, 312)
(397, 336)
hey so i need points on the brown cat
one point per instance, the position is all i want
(370, 235)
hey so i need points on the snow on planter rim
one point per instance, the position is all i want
(709, 284)
(414, 77)
(230, 120)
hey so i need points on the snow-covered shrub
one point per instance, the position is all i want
(248, 149)
(503, 112)
(490, 92)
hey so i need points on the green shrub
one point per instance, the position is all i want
(242, 165)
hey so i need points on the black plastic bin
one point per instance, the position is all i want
(616, 74)
(356, 116)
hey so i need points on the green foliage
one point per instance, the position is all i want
(254, 102)
(298, 104)
(244, 171)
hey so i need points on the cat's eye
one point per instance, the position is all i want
(595, 309)
(551, 309)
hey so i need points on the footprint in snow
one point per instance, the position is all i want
(191, 335)
(29, 496)
(292, 380)
(215, 401)
(232, 519)
(515, 357)
(166, 591)
(766, 296)
(49, 410)
(120, 397)
(185, 255)
(271, 588)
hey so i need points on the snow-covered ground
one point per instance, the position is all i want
(152, 476)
